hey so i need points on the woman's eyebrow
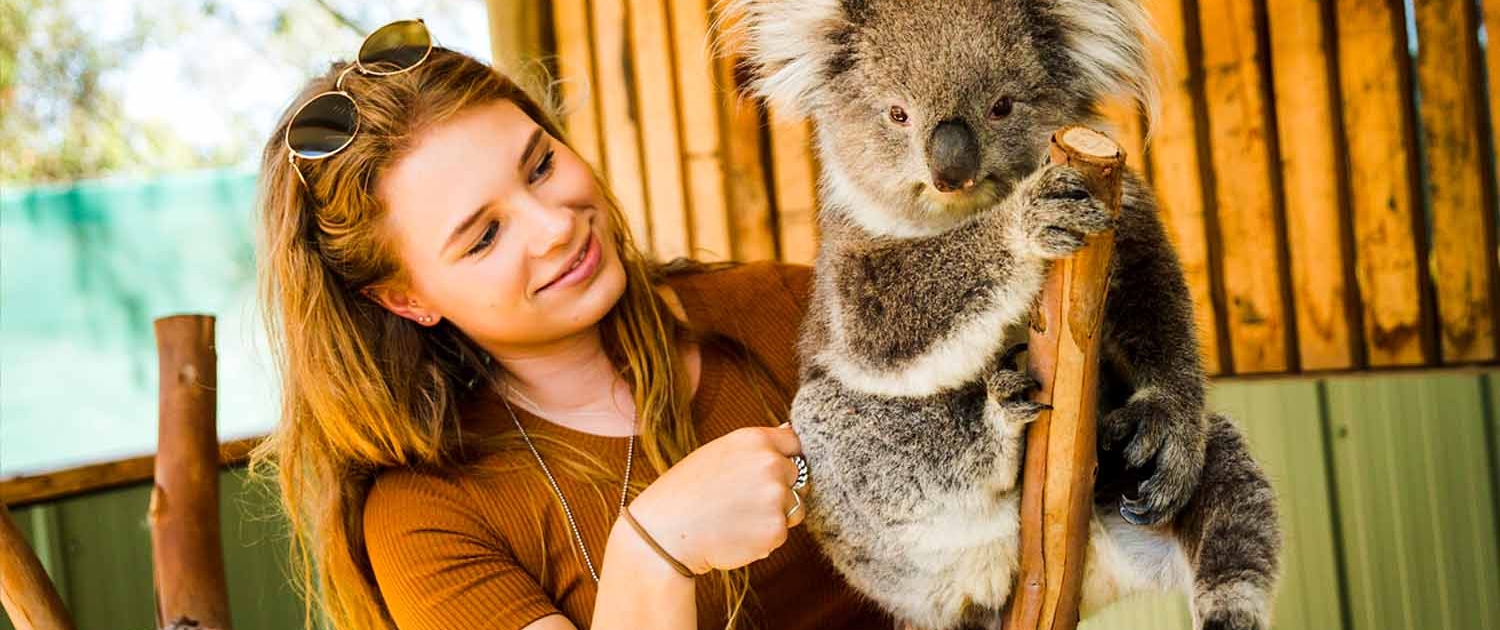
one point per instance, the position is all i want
(535, 139)
(464, 226)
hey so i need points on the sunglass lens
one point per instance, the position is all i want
(323, 126)
(395, 47)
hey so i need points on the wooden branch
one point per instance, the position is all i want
(1063, 352)
(186, 551)
(25, 590)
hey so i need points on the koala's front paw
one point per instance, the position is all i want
(1168, 433)
(1061, 212)
(1011, 388)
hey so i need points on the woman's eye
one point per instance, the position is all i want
(543, 167)
(485, 239)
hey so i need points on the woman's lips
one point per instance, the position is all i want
(583, 271)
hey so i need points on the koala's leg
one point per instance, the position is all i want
(1150, 342)
(1222, 549)
(1231, 536)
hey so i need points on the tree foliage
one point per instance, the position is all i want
(74, 75)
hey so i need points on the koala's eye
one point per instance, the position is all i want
(898, 115)
(1001, 108)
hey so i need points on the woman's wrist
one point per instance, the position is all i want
(655, 546)
(673, 543)
(638, 590)
(638, 554)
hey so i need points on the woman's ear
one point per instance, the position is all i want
(403, 304)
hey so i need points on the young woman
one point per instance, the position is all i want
(496, 412)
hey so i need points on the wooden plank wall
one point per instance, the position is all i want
(1325, 168)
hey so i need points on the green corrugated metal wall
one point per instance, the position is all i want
(1387, 483)
(98, 550)
(1388, 492)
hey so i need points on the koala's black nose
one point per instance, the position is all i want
(953, 156)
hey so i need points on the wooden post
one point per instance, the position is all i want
(186, 552)
(25, 590)
(516, 39)
(1063, 352)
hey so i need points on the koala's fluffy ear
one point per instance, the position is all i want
(1109, 40)
(787, 45)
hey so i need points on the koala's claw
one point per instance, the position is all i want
(1167, 435)
(1025, 410)
(1135, 512)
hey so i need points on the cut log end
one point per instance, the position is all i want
(1088, 142)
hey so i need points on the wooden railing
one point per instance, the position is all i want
(21, 490)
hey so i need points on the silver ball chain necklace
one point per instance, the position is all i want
(568, 511)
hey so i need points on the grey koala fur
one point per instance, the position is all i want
(938, 222)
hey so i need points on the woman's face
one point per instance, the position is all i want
(501, 229)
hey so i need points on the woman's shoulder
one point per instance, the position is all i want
(721, 292)
(758, 305)
(396, 491)
(403, 496)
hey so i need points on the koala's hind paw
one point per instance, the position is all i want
(1062, 212)
(1167, 434)
(1232, 620)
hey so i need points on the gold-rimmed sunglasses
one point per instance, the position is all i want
(326, 123)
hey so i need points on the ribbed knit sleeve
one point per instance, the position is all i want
(437, 565)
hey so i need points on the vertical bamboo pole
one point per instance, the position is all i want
(1058, 479)
(186, 552)
(25, 590)
(796, 187)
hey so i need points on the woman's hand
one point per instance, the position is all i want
(725, 505)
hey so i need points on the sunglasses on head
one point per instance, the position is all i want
(326, 123)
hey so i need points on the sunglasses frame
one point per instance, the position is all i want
(338, 89)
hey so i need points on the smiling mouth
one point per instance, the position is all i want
(577, 260)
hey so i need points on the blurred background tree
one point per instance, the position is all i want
(93, 89)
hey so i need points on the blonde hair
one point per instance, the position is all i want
(363, 389)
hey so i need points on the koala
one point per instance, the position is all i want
(939, 218)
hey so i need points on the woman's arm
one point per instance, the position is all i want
(723, 506)
(639, 590)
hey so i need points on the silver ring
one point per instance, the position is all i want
(796, 507)
(801, 481)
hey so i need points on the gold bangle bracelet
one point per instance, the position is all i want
(651, 542)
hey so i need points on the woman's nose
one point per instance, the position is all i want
(552, 227)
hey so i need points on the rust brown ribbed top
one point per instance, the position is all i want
(494, 551)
